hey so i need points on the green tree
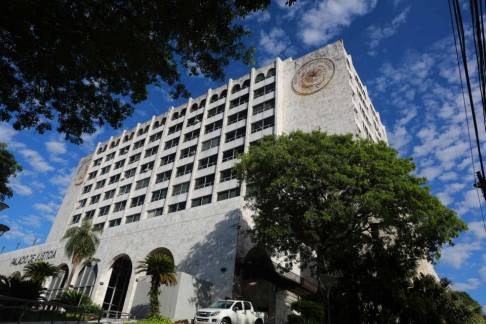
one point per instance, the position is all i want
(82, 243)
(8, 168)
(72, 297)
(84, 55)
(163, 272)
(39, 271)
(18, 288)
(346, 205)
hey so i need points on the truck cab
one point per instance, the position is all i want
(229, 311)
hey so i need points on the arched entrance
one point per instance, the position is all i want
(118, 285)
(57, 283)
(86, 279)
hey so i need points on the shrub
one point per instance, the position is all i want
(155, 319)
(310, 312)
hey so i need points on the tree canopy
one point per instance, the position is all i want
(73, 61)
(8, 168)
(39, 271)
(346, 205)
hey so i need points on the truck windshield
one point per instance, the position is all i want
(222, 304)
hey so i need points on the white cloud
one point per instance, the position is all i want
(62, 179)
(275, 43)
(56, 148)
(31, 220)
(482, 271)
(326, 19)
(472, 283)
(470, 201)
(35, 160)
(478, 229)
(260, 16)
(49, 208)
(455, 256)
(89, 140)
(18, 187)
(448, 176)
(377, 34)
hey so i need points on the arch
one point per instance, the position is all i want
(183, 112)
(16, 275)
(223, 94)
(86, 278)
(116, 291)
(163, 121)
(203, 103)
(246, 84)
(260, 77)
(58, 283)
(140, 132)
(271, 73)
(214, 98)
(175, 116)
(164, 251)
(194, 107)
(126, 138)
(156, 124)
(236, 88)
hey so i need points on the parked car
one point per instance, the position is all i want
(229, 311)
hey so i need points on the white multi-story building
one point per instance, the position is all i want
(167, 186)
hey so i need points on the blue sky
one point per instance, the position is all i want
(403, 52)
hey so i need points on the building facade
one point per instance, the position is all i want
(167, 186)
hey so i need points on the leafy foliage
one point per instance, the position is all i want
(82, 243)
(163, 272)
(72, 297)
(83, 56)
(18, 288)
(310, 312)
(346, 205)
(156, 319)
(39, 271)
(8, 168)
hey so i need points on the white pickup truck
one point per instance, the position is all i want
(229, 311)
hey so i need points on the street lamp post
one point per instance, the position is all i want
(327, 282)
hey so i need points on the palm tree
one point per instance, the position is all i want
(73, 298)
(82, 243)
(163, 272)
(39, 271)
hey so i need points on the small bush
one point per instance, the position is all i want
(155, 319)
(310, 312)
(295, 319)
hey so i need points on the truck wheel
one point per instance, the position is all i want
(225, 321)
(258, 321)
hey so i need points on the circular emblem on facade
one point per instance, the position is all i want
(313, 76)
(81, 172)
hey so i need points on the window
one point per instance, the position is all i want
(164, 176)
(114, 143)
(237, 117)
(175, 128)
(239, 101)
(120, 206)
(260, 77)
(101, 149)
(264, 90)
(81, 203)
(137, 201)
(134, 158)
(210, 143)
(192, 135)
(105, 170)
(204, 182)
(115, 222)
(213, 126)
(233, 153)
(215, 111)
(194, 107)
(151, 151)
(109, 194)
(227, 175)
(262, 124)
(100, 184)
(207, 162)
(124, 150)
(155, 137)
(130, 173)
(94, 199)
(236, 88)
(270, 73)
(90, 214)
(190, 151)
(92, 175)
(115, 178)
(97, 162)
(180, 189)
(119, 164)
(155, 212)
(203, 103)
(185, 169)
(104, 210)
(87, 188)
(227, 194)
(147, 167)
(194, 120)
(238, 133)
(223, 94)
(128, 137)
(246, 84)
(177, 207)
(173, 142)
(247, 305)
(132, 219)
(167, 159)
(201, 201)
(159, 194)
(76, 219)
(99, 225)
(264, 106)
(110, 156)
(124, 189)
(142, 183)
(138, 144)
(214, 98)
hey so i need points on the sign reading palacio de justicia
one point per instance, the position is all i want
(34, 257)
